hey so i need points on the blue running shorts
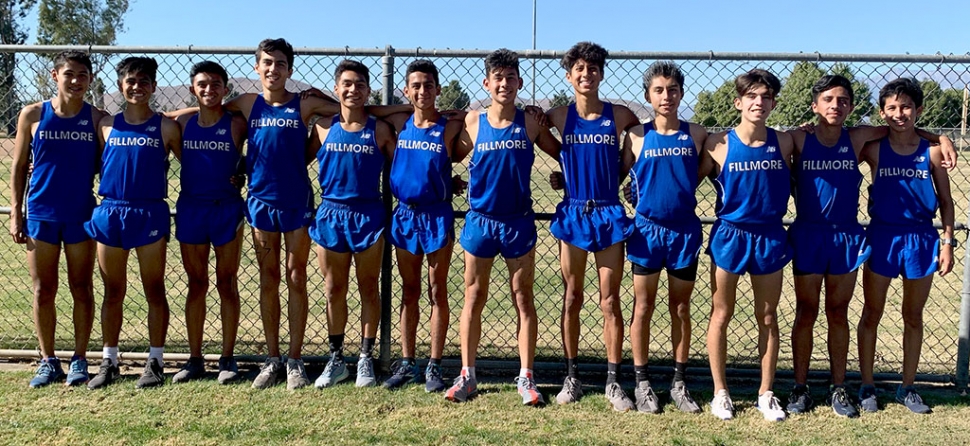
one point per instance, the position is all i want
(342, 227)
(486, 236)
(752, 249)
(591, 225)
(129, 224)
(55, 233)
(422, 229)
(910, 251)
(827, 249)
(655, 246)
(201, 222)
(266, 217)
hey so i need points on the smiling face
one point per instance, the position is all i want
(73, 80)
(900, 112)
(833, 105)
(584, 77)
(755, 104)
(273, 69)
(352, 89)
(503, 85)
(422, 90)
(664, 95)
(209, 89)
(137, 88)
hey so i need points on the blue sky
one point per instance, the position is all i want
(831, 26)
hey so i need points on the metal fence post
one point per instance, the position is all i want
(386, 91)
(963, 339)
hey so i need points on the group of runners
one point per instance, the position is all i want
(753, 168)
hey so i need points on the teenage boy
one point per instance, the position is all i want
(591, 219)
(350, 150)
(209, 211)
(423, 223)
(909, 184)
(59, 137)
(133, 214)
(668, 232)
(501, 219)
(828, 241)
(749, 166)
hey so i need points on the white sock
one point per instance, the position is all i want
(525, 373)
(111, 353)
(468, 371)
(156, 354)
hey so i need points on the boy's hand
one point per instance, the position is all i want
(628, 194)
(312, 92)
(557, 180)
(458, 185)
(538, 115)
(946, 259)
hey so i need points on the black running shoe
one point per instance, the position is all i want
(404, 372)
(153, 376)
(867, 399)
(108, 373)
(800, 400)
(909, 398)
(841, 404)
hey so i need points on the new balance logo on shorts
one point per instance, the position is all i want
(153, 233)
(843, 149)
(308, 214)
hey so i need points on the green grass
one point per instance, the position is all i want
(205, 413)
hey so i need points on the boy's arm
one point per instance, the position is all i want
(625, 118)
(240, 104)
(710, 161)
(453, 131)
(699, 134)
(946, 145)
(386, 139)
(548, 143)
(941, 180)
(172, 137)
(465, 142)
(317, 136)
(18, 170)
(633, 137)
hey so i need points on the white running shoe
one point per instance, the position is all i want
(770, 407)
(722, 406)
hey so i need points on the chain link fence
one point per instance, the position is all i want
(707, 98)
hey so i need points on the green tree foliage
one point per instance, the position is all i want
(82, 22)
(377, 98)
(12, 32)
(561, 98)
(794, 105)
(453, 97)
(715, 110)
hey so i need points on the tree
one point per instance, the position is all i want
(794, 105)
(453, 97)
(560, 99)
(12, 32)
(377, 98)
(716, 110)
(82, 22)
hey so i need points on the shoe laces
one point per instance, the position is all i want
(433, 371)
(76, 367)
(332, 364)
(773, 403)
(365, 367)
(45, 369)
(462, 382)
(296, 370)
(401, 367)
(269, 366)
(724, 402)
(913, 398)
(526, 383)
(613, 390)
(841, 396)
(571, 385)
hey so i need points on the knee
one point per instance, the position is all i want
(270, 275)
(720, 315)
(296, 277)
(524, 301)
(198, 282)
(45, 293)
(913, 319)
(769, 319)
(807, 308)
(680, 310)
(333, 289)
(573, 300)
(412, 291)
(439, 296)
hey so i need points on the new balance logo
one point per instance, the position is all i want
(606, 123)
(151, 128)
(920, 159)
(771, 149)
(289, 110)
(517, 130)
(221, 132)
(683, 137)
(153, 233)
(83, 122)
(843, 149)
(365, 135)
(435, 133)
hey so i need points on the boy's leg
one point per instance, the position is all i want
(297, 255)
(113, 264)
(42, 260)
(645, 299)
(80, 271)
(767, 292)
(724, 296)
(807, 290)
(227, 284)
(874, 287)
(368, 271)
(572, 260)
(679, 294)
(267, 247)
(522, 280)
(409, 267)
(477, 273)
(151, 265)
(915, 293)
(838, 294)
(195, 260)
(439, 263)
(609, 266)
(335, 267)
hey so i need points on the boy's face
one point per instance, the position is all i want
(584, 77)
(273, 70)
(352, 89)
(73, 80)
(209, 89)
(503, 85)
(664, 95)
(833, 105)
(900, 112)
(756, 104)
(422, 90)
(136, 88)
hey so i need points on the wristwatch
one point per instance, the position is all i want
(949, 241)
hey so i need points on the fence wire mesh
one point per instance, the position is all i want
(708, 92)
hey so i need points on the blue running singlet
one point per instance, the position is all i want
(827, 181)
(64, 152)
(134, 165)
(275, 154)
(209, 160)
(665, 175)
(590, 156)
(418, 151)
(902, 193)
(350, 164)
(500, 168)
(754, 184)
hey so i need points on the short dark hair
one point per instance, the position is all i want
(748, 81)
(209, 67)
(281, 45)
(663, 68)
(501, 58)
(592, 53)
(133, 65)
(352, 65)
(904, 85)
(830, 81)
(423, 66)
(80, 57)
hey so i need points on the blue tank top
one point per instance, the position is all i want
(902, 193)
(275, 152)
(421, 150)
(665, 175)
(350, 164)
(65, 158)
(500, 168)
(590, 156)
(827, 181)
(753, 185)
(209, 160)
(134, 165)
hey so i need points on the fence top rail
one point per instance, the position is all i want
(525, 54)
